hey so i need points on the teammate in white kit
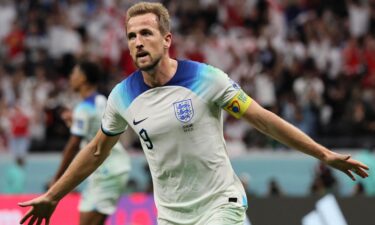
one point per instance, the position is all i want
(175, 107)
(107, 183)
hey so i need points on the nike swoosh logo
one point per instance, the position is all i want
(139, 121)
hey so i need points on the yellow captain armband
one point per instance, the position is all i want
(238, 105)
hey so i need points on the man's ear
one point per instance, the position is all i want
(167, 40)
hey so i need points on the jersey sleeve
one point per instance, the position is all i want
(228, 94)
(112, 122)
(80, 121)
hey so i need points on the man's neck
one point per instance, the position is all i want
(87, 91)
(161, 74)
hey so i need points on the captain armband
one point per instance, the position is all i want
(238, 105)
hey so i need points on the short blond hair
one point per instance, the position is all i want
(149, 7)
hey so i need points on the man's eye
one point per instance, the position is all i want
(131, 36)
(146, 33)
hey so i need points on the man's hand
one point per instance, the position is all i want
(42, 209)
(347, 165)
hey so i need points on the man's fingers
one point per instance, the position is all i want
(27, 215)
(363, 166)
(359, 164)
(360, 172)
(32, 220)
(39, 222)
(359, 168)
(347, 172)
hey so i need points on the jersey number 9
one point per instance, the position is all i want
(143, 134)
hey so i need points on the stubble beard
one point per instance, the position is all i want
(148, 68)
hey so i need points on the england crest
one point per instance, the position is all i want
(184, 110)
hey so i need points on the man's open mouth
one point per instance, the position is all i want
(141, 54)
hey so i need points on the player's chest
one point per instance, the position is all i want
(159, 112)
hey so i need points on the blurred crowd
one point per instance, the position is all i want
(310, 61)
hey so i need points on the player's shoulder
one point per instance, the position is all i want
(190, 66)
(126, 83)
(83, 108)
(193, 71)
(90, 103)
(201, 68)
(94, 99)
(190, 63)
(129, 88)
(100, 101)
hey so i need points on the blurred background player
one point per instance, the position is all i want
(19, 135)
(106, 185)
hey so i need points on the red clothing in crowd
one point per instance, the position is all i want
(19, 124)
(14, 42)
(352, 60)
(369, 79)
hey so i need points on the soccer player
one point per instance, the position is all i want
(107, 183)
(175, 106)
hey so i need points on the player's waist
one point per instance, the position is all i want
(191, 212)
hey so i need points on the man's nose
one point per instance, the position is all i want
(138, 42)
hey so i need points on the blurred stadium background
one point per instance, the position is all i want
(310, 61)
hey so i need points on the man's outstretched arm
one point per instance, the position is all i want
(70, 150)
(277, 128)
(86, 162)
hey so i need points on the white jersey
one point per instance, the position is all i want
(87, 117)
(181, 130)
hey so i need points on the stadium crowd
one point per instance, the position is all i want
(310, 61)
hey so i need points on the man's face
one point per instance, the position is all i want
(77, 79)
(146, 44)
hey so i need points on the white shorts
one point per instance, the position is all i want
(102, 193)
(228, 214)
